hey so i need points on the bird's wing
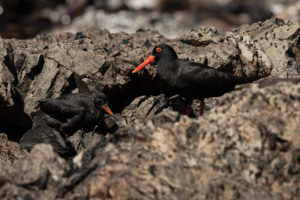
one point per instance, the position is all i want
(204, 76)
(60, 109)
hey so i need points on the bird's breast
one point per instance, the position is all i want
(168, 75)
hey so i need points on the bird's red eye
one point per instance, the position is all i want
(158, 50)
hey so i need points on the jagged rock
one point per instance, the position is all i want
(51, 65)
(9, 152)
(143, 108)
(46, 168)
(41, 169)
(231, 152)
(245, 146)
(201, 36)
(12, 117)
(261, 49)
(85, 141)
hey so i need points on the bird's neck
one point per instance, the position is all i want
(167, 69)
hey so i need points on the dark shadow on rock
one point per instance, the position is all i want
(143, 84)
(46, 130)
(13, 120)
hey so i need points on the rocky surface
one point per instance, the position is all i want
(245, 146)
(231, 152)
(9, 152)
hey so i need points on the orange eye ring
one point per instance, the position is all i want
(158, 50)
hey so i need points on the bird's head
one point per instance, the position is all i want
(100, 101)
(160, 51)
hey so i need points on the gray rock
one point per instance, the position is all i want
(100, 60)
(9, 152)
(143, 108)
(201, 36)
(85, 141)
(260, 49)
(230, 152)
(245, 146)
(42, 169)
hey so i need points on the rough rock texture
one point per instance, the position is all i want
(244, 147)
(231, 152)
(261, 49)
(143, 108)
(9, 152)
(42, 169)
(50, 65)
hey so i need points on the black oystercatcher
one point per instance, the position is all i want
(76, 111)
(190, 79)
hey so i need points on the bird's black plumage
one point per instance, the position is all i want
(190, 79)
(76, 111)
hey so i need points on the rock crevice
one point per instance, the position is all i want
(245, 145)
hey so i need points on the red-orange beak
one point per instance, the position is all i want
(144, 64)
(107, 109)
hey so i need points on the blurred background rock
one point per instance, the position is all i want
(26, 18)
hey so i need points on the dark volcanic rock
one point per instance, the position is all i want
(51, 65)
(231, 152)
(244, 147)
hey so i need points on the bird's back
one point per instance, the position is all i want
(200, 81)
(65, 106)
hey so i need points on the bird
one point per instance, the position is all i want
(76, 111)
(45, 130)
(191, 80)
